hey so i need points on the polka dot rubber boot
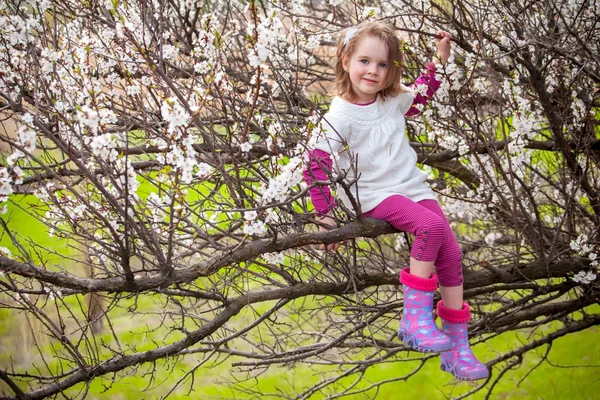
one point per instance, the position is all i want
(417, 326)
(460, 361)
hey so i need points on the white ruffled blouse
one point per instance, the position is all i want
(369, 142)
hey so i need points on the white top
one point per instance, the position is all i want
(375, 136)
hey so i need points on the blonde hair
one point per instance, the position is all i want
(346, 45)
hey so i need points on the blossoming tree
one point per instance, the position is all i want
(161, 143)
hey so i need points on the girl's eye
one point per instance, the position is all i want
(383, 65)
(364, 61)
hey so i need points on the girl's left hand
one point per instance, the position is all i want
(443, 46)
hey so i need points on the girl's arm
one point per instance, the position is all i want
(319, 161)
(425, 87)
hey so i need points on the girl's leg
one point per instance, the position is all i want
(454, 313)
(448, 264)
(417, 326)
(429, 229)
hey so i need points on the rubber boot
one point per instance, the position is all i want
(417, 326)
(460, 361)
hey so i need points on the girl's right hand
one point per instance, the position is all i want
(443, 45)
(330, 224)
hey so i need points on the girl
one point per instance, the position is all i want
(364, 130)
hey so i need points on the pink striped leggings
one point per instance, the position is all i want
(434, 239)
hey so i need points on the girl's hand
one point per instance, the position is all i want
(443, 46)
(330, 222)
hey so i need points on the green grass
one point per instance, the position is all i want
(575, 376)
(569, 381)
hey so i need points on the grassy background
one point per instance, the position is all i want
(573, 376)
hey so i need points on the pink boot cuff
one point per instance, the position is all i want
(454, 316)
(415, 282)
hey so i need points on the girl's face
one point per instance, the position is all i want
(368, 68)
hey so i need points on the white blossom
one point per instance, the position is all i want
(278, 188)
(160, 143)
(202, 67)
(16, 155)
(18, 172)
(274, 258)
(27, 138)
(250, 215)
(268, 33)
(245, 147)
(5, 185)
(89, 117)
(579, 109)
(491, 237)
(204, 170)
(132, 90)
(584, 278)
(174, 114)
(579, 242)
(27, 118)
(187, 170)
(103, 147)
(400, 243)
(255, 227)
(170, 52)
(272, 216)
(5, 252)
